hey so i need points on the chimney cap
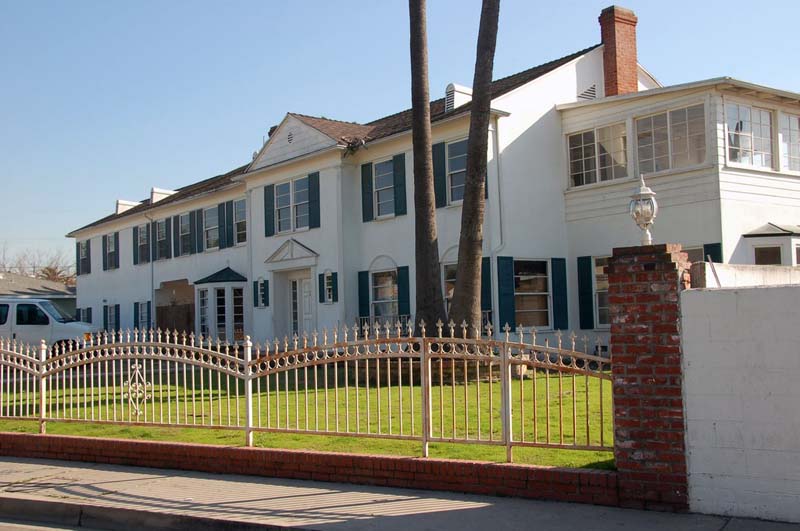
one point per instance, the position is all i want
(619, 13)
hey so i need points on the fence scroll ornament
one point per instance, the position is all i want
(455, 385)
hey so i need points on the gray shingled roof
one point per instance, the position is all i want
(774, 229)
(14, 285)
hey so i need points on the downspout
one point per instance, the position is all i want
(250, 260)
(152, 274)
(494, 252)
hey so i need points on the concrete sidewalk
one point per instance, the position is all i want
(117, 497)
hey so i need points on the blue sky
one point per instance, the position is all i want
(101, 100)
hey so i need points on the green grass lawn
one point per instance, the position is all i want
(294, 401)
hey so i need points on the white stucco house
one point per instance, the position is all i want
(317, 230)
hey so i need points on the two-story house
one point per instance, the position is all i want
(317, 230)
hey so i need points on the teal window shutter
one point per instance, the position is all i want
(105, 252)
(222, 226)
(321, 287)
(714, 250)
(88, 314)
(105, 318)
(399, 171)
(116, 250)
(77, 258)
(313, 200)
(505, 291)
(366, 193)
(269, 210)
(229, 241)
(265, 293)
(86, 267)
(168, 230)
(403, 298)
(440, 174)
(116, 318)
(586, 292)
(363, 293)
(486, 284)
(136, 323)
(256, 294)
(558, 268)
(335, 281)
(176, 236)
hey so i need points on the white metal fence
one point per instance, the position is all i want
(453, 386)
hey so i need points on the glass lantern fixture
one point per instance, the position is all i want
(644, 209)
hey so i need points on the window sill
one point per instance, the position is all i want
(760, 169)
(385, 217)
(647, 176)
(454, 204)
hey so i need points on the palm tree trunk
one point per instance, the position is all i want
(430, 304)
(466, 304)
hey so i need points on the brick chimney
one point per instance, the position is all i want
(618, 32)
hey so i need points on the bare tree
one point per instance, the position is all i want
(430, 303)
(466, 303)
(48, 265)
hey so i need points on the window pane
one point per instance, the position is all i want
(301, 216)
(531, 288)
(537, 319)
(284, 219)
(768, 255)
(3, 313)
(211, 217)
(790, 142)
(456, 149)
(749, 135)
(240, 210)
(530, 302)
(652, 143)
(582, 158)
(612, 146)
(220, 304)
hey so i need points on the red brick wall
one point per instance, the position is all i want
(560, 484)
(618, 35)
(649, 427)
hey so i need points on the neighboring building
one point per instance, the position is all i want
(317, 230)
(14, 285)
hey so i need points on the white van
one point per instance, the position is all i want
(31, 320)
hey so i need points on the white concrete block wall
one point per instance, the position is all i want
(741, 366)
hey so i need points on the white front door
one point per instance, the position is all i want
(301, 318)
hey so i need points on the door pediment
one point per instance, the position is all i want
(290, 255)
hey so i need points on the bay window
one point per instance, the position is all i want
(674, 139)
(598, 155)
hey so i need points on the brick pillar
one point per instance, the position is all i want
(649, 426)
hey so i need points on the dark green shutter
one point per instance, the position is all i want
(335, 280)
(269, 210)
(149, 233)
(135, 245)
(363, 293)
(176, 236)
(87, 266)
(440, 174)
(193, 232)
(136, 323)
(714, 250)
(198, 233)
(265, 292)
(403, 298)
(586, 292)
(77, 258)
(222, 224)
(152, 232)
(560, 301)
(105, 318)
(399, 172)
(255, 294)
(77, 314)
(229, 240)
(322, 287)
(505, 292)
(168, 234)
(88, 314)
(105, 252)
(313, 200)
(367, 213)
(486, 284)
(116, 250)
(149, 322)
(116, 318)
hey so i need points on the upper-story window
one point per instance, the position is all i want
(674, 139)
(162, 244)
(84, 263)
(598, 155)
(456, 169)
(211, 228)
(790, 142)
(111, 250)
(384, 188)
(240, 221)
(749, 135)
(184, 234)
(143, 244)
(291, 205)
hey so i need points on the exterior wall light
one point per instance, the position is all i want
(644, 209)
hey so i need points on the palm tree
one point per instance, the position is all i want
(430, 303)
(466, 303)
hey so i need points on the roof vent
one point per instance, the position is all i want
(456, 96)
(588, 94)
(290, 137)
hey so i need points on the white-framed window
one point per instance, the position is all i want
(671, 139)
(328, 285)
(83, 249)
(240, 221)
(790, 142)
(142, 319)
(220, 313)
(767, 255)
(238, 314)
(202, 296)
(184, 235)
(261, 287)
(111, 251)
(456, 170)
(601, 315)
(161, 239)
(449, 283)
(384, 304)
(598, 155)
(749, 135)
(532, 293)
(111, 317)
(291, 205)
(211, 228)
(143, 244)
(383, 188)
